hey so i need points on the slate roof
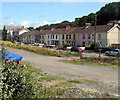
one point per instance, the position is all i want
(74, 30)
(16, 28)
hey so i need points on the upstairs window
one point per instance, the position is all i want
(83, 36)
(69, 36)
(62, 36)
(66, 36)
(43, 37)
(74, 36)
(99, 36)
(92, 36)
(56, 36)
(48, 36)
(88, 36)
(53, 36)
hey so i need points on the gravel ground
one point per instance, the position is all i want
(107, 78)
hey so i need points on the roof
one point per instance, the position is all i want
(74, 30)
(30, 33)
(13, 27)
(91, 29)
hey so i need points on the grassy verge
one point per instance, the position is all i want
(39, 50)
(113, 65)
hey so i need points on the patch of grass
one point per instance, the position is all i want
(50, 78)
(64, 85)
(75, 81)
(39, 50)
(32, 70)
(92, 63)
(90, 81)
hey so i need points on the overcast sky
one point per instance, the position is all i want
(34, 14)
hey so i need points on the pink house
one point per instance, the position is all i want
(85, 35)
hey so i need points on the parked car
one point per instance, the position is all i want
(115, 52)
(76, 49)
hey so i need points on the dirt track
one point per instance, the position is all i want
(107, 78)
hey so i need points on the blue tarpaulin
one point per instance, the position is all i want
(11, 56)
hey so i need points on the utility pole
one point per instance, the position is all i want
(95, 30)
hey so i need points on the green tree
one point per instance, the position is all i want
(30, 28)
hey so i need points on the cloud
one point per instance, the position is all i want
(60, 0)
(74, 0)
(36, 24)
(108, 0)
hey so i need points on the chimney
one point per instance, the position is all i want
(41, 30)
(52, 29)
(87, 25)
(68, 26)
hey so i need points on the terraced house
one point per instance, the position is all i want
(106, 35)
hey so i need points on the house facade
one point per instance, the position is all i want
(105, 35)
(12, 32)
(113, 36)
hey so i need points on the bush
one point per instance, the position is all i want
(16, 84)
(87, 48)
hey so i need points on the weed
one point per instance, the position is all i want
(75, 81)
(50, 78)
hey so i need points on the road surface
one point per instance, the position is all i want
(107, 77)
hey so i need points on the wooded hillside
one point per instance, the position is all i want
(107, 13)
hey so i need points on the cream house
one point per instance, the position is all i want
(113, 35)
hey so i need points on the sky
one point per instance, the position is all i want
(34, 13)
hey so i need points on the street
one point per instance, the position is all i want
(107, 77)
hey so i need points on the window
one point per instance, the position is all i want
(63, 42)
(62, 36)
(83, 36)
(48, 36)
(99, 36)
(43, 37)
(89, 43)
(83, 44)
(66, 36)
(48, 42)
(53, 36)
(92, 36)
(74, 36)
(88, 36)
(69, 36)
(56, 36)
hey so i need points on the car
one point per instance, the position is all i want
(115, 52)
(76, 49)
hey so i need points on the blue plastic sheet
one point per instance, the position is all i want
(11, 56)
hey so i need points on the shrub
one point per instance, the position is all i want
(87, 48)
(16, 84)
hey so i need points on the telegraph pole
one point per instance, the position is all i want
(95, 30)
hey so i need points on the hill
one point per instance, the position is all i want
(107, 13)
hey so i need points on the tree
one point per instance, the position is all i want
(30, 28)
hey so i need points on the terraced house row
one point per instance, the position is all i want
(106, 35)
